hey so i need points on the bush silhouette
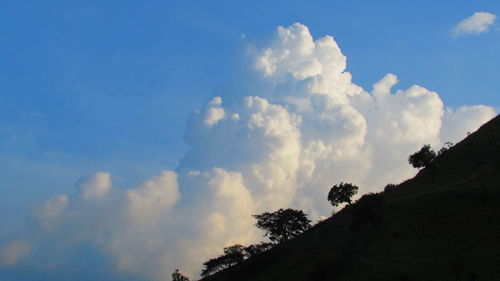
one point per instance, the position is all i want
(177, 276)
(422, 158)
(390, 187)
(342, 193)
(283, 224)
(447, 145)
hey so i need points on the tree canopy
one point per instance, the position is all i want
(283, 224)
(422, 158)
(233, 255)
(256, 249)
(342, 193)
(217, 264)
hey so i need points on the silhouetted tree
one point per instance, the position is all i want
(256, 249)
(368, 209)
(422, 158)
(235, 254)
(342, 193)
(232, 255)
(283, 224)
(216, 264)
(177, 276)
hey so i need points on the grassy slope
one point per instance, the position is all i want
(444, 224)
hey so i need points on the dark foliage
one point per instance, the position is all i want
(235, 254)
(283, 224)
(368, 209)
(422, 158)
(177, 276)
(212, 266)
(447, 145)
(390, 187)
(216, 264)
(232, 255)
(256, 249)
(342, 193)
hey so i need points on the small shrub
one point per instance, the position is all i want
(390, 187)
(447, 145)
(177, 276)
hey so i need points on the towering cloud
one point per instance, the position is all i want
(310, 128)
(478, 23)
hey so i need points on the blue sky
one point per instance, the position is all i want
(89, 86)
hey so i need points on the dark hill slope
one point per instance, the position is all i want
(444, 224)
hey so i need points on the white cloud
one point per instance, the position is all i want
(478, 23)
(14, 251)
(466, 119)
(94, 187)
(48, 214)
(153, 198)
(214, 113)
(282, 147)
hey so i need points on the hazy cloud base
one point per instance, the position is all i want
(308, 128)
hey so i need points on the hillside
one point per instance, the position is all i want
(443, 224)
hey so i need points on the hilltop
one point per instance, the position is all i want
(443, 224)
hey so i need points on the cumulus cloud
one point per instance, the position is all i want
(478, 23)
(282, 147)
(47, 214)
(153, 198)
(464, 120)
(94, 187)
